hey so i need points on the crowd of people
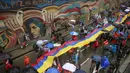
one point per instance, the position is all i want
(113, 44)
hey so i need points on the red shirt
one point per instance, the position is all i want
(116, 35)
(8, 66)
(74, 38)
(124, 42)
(105, 42)
(96, 44)
(114, 41)
(26, 61)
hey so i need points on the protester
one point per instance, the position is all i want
(14, 69)
(29, 70)
(69, 68)
(8, 64)
(52, 70)
(97, 60)
(26, 61)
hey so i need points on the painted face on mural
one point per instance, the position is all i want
(35, 30)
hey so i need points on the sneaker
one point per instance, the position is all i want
(27, 44)
(21, 46)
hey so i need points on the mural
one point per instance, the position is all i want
(7, 37)
(35, 27)
(39, 18)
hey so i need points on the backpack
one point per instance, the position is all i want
(105, 62)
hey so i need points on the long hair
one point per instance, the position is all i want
(38, 22)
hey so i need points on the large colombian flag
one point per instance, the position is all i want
(46, 60)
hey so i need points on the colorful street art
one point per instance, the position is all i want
(35, 27)
(38, 18)
(7, 37)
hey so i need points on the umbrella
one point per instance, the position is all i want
(52, 70)
(79, 71)
(70, 67)
(49, 45)
(96, 58)
(74, 33)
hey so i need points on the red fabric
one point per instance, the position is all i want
(71, 10)
(124, 42)
(114, 41)
(128, 23)
(129, 36)
(105, 42)
(59, 68)
(96, 44)
(54, 38)
(24, 43)
(74, 38)
(26, 60)
(71, 50)
(116, 35)
(8, 66)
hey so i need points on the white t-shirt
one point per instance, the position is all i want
(40, 43)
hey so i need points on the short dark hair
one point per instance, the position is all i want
(29, 70)
(14, 69)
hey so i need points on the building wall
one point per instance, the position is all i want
(39, 18)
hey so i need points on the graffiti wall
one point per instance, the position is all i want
(7, 37)
(38, 18)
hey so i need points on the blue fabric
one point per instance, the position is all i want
(96, 58)
(73, 33)
(105, 62)
(113, 48)
(49, 45)
(52, 70)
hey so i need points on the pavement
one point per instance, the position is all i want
(125, 66)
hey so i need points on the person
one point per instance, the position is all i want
(95, 45)
(39, 45)
(27, 61)
(24, 40)
(97, 60)
(8, 64)
(105, 42)
(52, 70)
(69, 68)
(14, 69)
(29, 70)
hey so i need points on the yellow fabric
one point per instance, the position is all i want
(48, 63)
(124, 18)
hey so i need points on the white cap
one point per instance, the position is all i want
(127, 10)
(41, 42)
(70, 67)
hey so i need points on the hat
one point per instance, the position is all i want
(52, 70)
(69, 67)
(74, 33)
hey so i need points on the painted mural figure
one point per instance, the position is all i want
(35, 28)
(24, 40)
